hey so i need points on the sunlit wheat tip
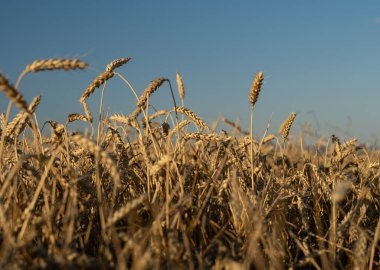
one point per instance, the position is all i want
(286, 125)
(75, 117)
(256, 88)
(117, 63)
(54, 64)
(195, 118)
(181, 87)
(101, 79)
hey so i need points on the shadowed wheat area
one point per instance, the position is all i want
(162, 189)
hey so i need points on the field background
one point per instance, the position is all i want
(203, 136)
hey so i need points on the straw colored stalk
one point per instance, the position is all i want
(12, 94)
(286, 126)
(117, 63)
(253, 97)
(100, 80)
(197, 120)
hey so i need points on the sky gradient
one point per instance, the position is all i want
(320, 59)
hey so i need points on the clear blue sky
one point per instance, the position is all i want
(317, 56)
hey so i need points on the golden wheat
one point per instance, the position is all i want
(117, 63)
(98, 81)
(195, 118)
(286, 125)
(181, 87)
(12, 93)
(55, 64)
(256, 88)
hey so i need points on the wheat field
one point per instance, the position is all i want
(162, 189)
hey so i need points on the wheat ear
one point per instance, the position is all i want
(256, 88)
(286, 125)
(181, 88)
(153, 86)
(54, 64)
(206, 137)
(12, 93)
(75, 117)
(117, 63)
(101, 79)
(195, 118)
(18, 123)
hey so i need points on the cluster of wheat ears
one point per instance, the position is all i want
(140, 191)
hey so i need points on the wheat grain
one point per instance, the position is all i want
(256, 88)
(125, 120)
(75, 117)
(206, 137)
(181, 87)
(98, 81)
(55, 64)
(286, 125)
(18, 123)
(87, 111)
(12, 93)
(179, 126)
(197, 120)
(117, 63)
(153, 86)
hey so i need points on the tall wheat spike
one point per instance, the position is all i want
(181, 87)
(256, 88)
